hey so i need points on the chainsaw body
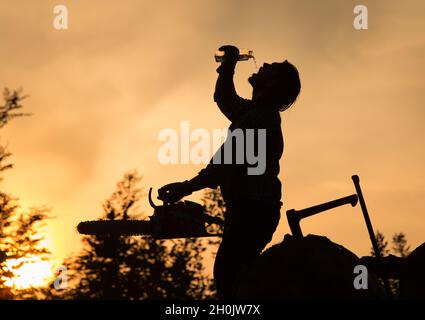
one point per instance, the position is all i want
(184, 219)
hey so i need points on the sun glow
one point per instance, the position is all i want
(29, 273)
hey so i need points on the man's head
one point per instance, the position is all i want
(277, 85)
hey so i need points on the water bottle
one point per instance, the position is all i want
(244, 55)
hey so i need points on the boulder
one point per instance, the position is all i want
(312, 267)
(412, 280)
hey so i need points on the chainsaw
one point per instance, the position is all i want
(183, 219)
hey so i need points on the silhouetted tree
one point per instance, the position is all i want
(399, 248)
(399, 245)
(382, 244)
(19, 230)
(12, 102)
(214, 205)
(134, 268)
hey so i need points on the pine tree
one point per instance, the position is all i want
(19, 230)
(382, 245)
(214, 206)
(400, 246)
(134, 268)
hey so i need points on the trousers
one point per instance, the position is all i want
(249, 227)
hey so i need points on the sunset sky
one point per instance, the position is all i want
(101, 91)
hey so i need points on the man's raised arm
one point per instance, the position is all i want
(232, 105)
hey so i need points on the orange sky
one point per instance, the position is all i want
(103, 89)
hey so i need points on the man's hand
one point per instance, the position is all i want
(173, 192)
(231, 53)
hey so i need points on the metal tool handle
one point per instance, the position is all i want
(295, 216)
(378, 255)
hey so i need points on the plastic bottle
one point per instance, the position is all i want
(244, 55)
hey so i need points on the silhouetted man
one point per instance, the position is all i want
(253, 202)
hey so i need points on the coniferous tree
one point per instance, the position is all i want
(214, 206)
(134, 268)
(400, 246)
(20, 238)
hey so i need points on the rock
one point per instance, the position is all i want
(312, 267)
(412, 280)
